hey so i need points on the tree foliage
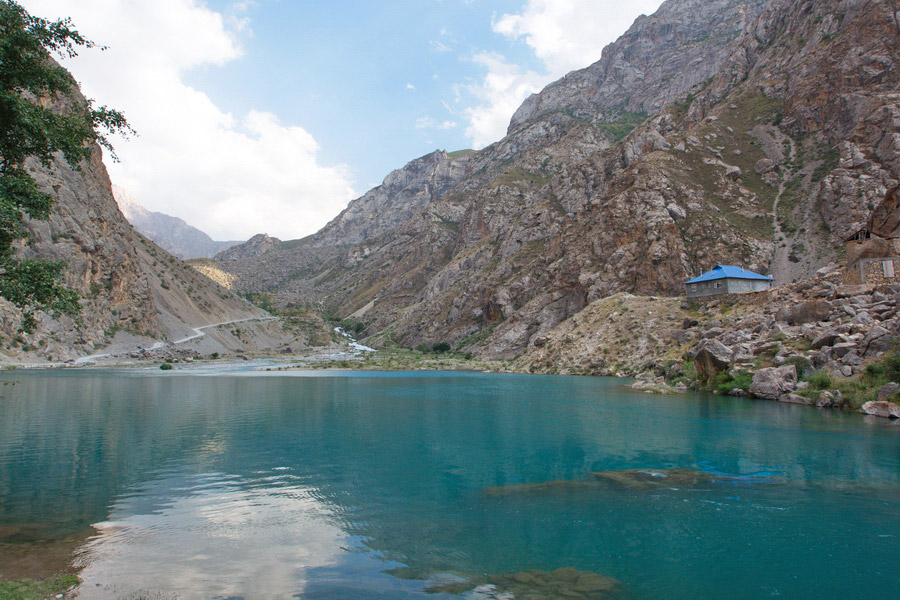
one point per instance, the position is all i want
(32, 125)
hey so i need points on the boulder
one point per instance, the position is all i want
(878, 340)
(881, 408)
(887, 391)
(848, 291)
(826, 339)
(810, 311)
(826, 400)
(773, 382)
(712, 358)
(796, 399)
(764, 165)
(852, 358)
(842, 349)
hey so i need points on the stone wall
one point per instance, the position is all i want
(871, 271)
(726, 287)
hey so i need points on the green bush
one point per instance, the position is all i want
(819, 380)
(165, 367)
(441, 347)
(801, 362)
(891, 364)
(725, 383)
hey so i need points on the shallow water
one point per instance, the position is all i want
(313, 485)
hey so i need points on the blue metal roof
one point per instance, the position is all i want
(728, 272)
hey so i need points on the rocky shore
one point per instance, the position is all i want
(816, 342)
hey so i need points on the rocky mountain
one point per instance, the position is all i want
(754, 132)
(170, 233)
(133, 293)
(255, 246)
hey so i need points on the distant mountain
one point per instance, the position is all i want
(171, 233)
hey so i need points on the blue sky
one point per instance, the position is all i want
(270, 115)
(372, 82)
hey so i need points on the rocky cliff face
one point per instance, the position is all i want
(130, 288)
(755, 133)
(661, 56)
(171, 233)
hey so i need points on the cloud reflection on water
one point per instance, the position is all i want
(210, 535)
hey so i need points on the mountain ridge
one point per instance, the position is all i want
(521, 182)
(171, 233)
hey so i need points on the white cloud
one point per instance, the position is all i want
(501, 92)
(231, 176)
(439, 46)
(564, 34)
(430, 123)
(241, 542)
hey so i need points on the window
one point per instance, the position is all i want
(887, 267)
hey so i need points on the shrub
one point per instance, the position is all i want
(801, 362)
(165, 367)
(726, 383)
(441, 347)
(891, 364)
(819, 380)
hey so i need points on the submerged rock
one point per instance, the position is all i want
(634, 479)
(652, 478)
(544, 486)
(535, 584)
(652, 387)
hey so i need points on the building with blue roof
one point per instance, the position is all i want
(727, 279)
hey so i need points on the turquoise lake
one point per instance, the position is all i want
(333, 485)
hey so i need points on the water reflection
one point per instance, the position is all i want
(274, 486)
(211, 535)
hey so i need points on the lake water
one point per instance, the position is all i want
(383, 485)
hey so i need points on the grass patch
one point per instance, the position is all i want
(830, 159)
(30, 589)
(861, 388)
(478, 337)
(520, 179)
(452, 226)
(622, 126)
(819, 381)
(459, 153)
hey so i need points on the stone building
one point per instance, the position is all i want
(872, 258)
(727, 279)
